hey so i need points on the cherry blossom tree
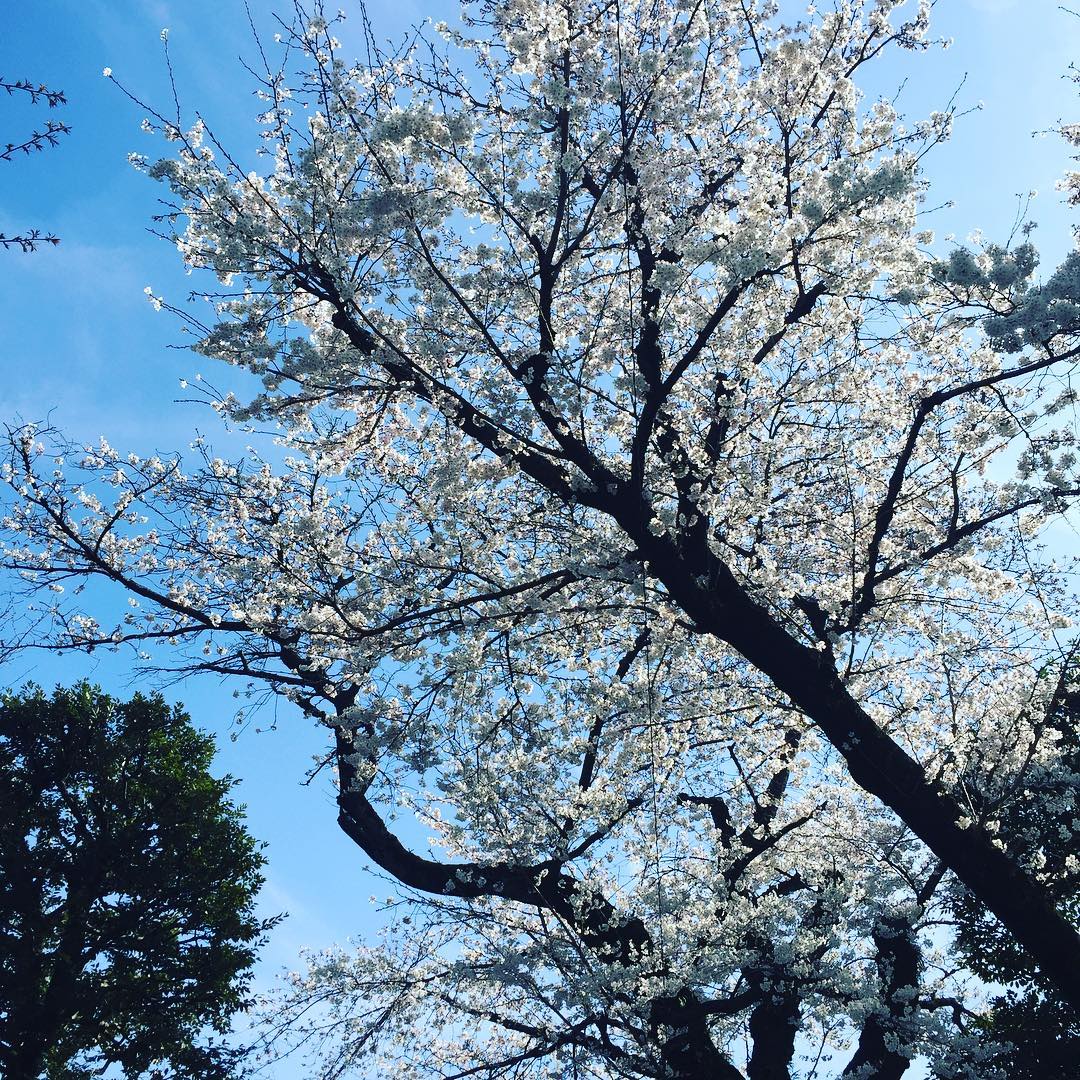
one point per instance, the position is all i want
(654, 526)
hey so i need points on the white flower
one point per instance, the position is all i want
(392, 536)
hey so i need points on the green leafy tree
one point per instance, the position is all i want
(127, 891)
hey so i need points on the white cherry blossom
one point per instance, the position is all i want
(654, 526)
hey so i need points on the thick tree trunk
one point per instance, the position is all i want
(23, 1037)
(773, 1027)
(37, 1018)
(27, 1060)
(35, 1023)
(898, 963)
(680, 1026)
(709, 593)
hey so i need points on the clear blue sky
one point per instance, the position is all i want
(80, 344)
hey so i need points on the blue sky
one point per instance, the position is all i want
(80, 344)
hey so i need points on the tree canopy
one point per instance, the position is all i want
(127, 891)
(657, 532)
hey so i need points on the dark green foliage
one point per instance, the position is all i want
(1039, 821)
(127, 889)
